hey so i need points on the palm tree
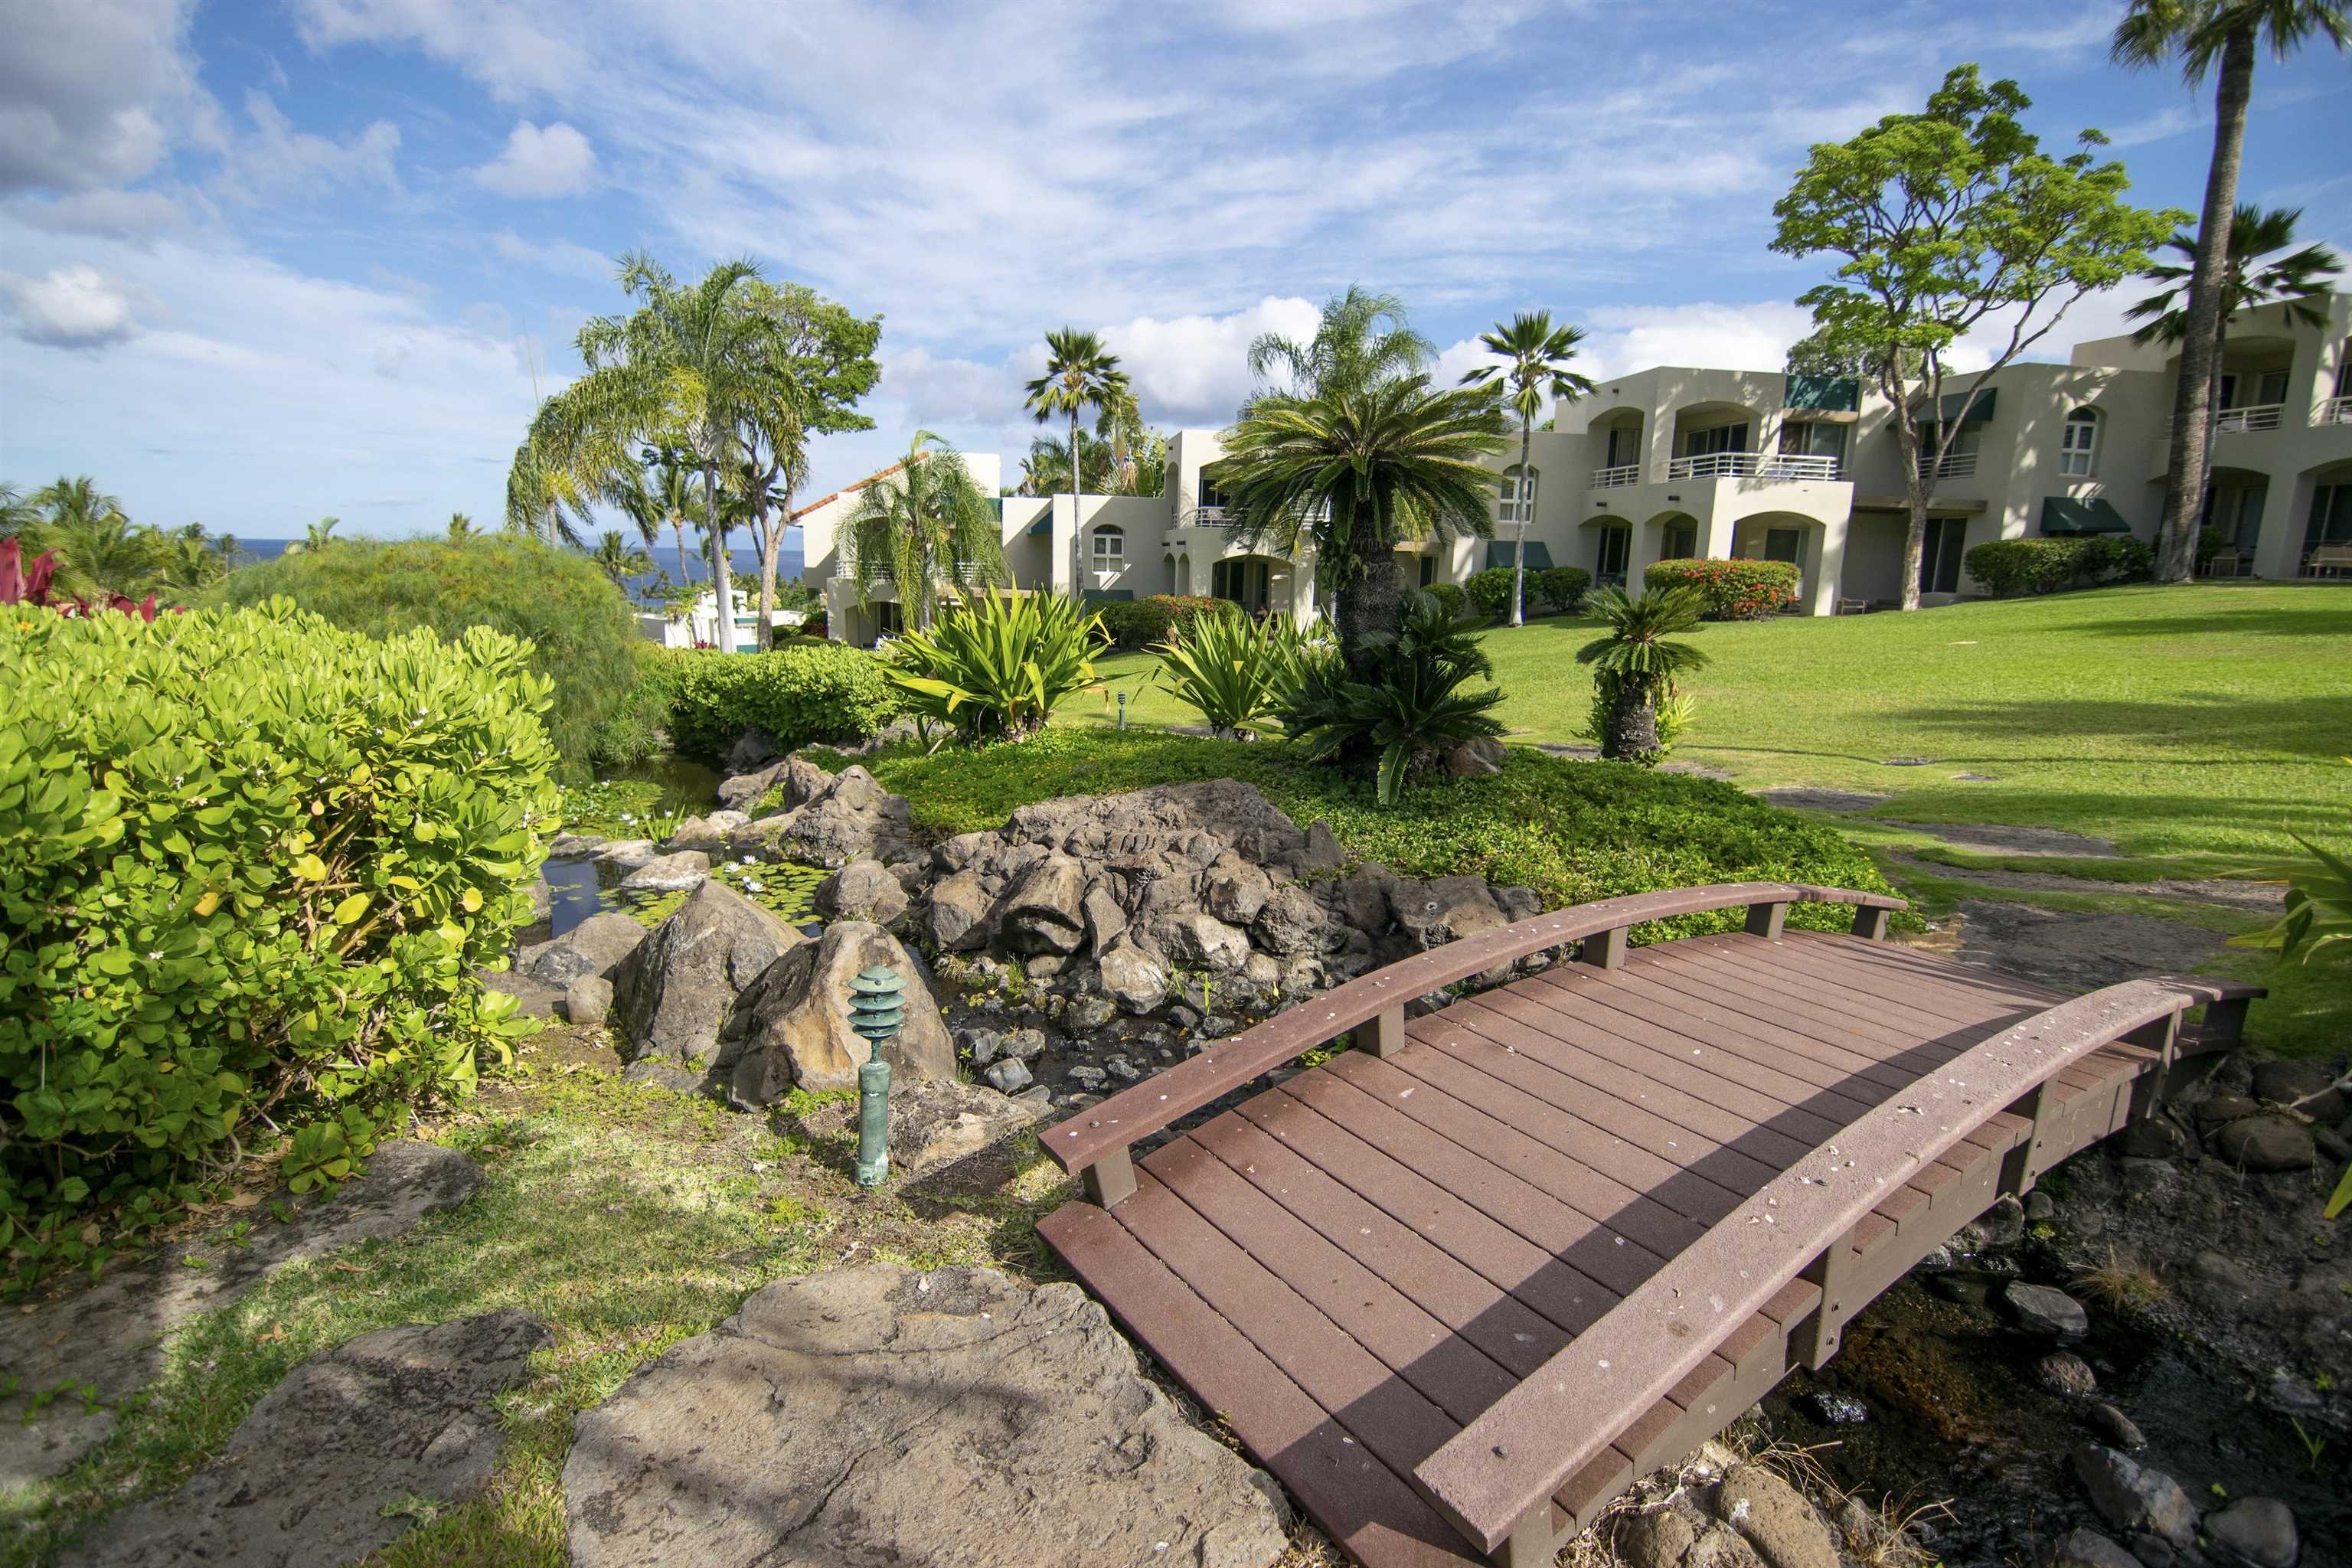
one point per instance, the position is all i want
(1354, 471)
(1635, 663)
(1046, 469)
(619, 558)
(316, 537)
(1079, 372)
(698, 360)
(461, 528)
(927, 522)
(2204, 34)
(99, 553)
(1361, 337)
(2295, 282)
(187, 563)
(16, 513)
(1535, 356)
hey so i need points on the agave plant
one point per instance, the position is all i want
(1410, 708)
(1234, 671)
(1635, 664)
(996, 668)
(2318, 917)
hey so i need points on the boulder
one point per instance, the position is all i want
(588, 1000)
(2306, 1087)
(1009, 1075)
(2151, 1138)
(936, 1121)
(542, 897)
(861, 891)
(2217, 1110)
(320, 1469)
(849, 817)
(794, 1031)
(1046, 911)
(1475, 759)
(1106, 921)
(1203, 942)
(706, 833)
(2081, 1548)
(2119, 1429)
(741, 792)
(2132, 1496)
(1785, 1530)
(575, 845)
(752, 748)
(1133, 978)
(959, 915)
(2067, 1375)
(878, 1414)
(674, 873)
(2265, 1142)
(2256, 1530)
(628, 853)
(597, 945)
(2040, 1309)
(1323, 854)
(675, 992)
(1234, 891)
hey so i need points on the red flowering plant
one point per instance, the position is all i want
(21, 584)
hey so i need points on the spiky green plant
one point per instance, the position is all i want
(1405, 706)
(2318, 917)
(1234, 671)
(994, 669)
(1634, 663)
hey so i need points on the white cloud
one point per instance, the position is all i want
(555, 255)
(552, 161)
(1625, 339)
(1194, 370)
(275, 158)
(93, 92)
(72, 308)
(495, 43)
(115, 214)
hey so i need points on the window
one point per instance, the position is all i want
(1939, 555)
(1428, 570)
(1812, 438)
(1680, 541)
(1517, 502)
(2331, 517)
(2344, 368)
(2270, 388)
(2229, 389)
(1211, 496)
(1784, 544)
(2079, 442)
(1110, 548)
(1624, 446)
(1722, 439)
(1609, 565)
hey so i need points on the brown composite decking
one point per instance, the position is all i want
(1357, 1264)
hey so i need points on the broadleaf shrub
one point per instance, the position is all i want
(1449, 598)
(1137, 623)
(1734, 590)
(1489, 591)
(1561, 587)
(249, 863)
(2010, 568)
(809, 693)
(581, 629)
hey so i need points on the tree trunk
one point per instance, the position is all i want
(1372, 602)
(1915, 489)
(1078, 544)
(685, 571)
(2192, 397)
(1633, 733)
(721, 567)
(1520, 541)
(771, 545)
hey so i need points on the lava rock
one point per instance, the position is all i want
(2041, 1309)
(794, 1027)
(2265, 1142)
(1836, 1409)
(982, 1045)
(1089, 1013)
(2065, 1372)
(878, 1414)
(588, 1000)
(937, 1121)
(2308, 1083)
(1088, 1078)
(1134, 979)
(1008, 1076)
(597, 945)
(861, 891)
(2132, 1496)
(2257, 1530)
(2219, 1110)
(1785, 1528)
(575, 845)
(2081, 1548)
(2039, 1206)
(628, 853)
(676, 994)
(678, 873)
(2152, 1138)
(2119, 1429)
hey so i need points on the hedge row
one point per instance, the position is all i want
(804, 693)
(1139, 623)
(1558, 588)
(248, 864)
(1734, 590)
(2011, 567)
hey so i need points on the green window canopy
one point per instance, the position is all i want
(1498, 553)
(2063, 515)
(1107, 595)
(1828, 393)
(1044, 527)
(1979, 412)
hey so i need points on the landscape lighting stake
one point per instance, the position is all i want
(1122, 709)
(875, 1012)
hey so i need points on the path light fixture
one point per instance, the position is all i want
(876, 1011)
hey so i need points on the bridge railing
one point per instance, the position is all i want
(1495, 1479)
(1095, 1144)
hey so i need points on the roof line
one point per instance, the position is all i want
(859, 485)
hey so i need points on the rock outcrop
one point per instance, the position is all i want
(792, 1029)
(595, 946)
(675, 994)
(829, 819)
(878, 1414)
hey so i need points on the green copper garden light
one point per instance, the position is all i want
(876, 1011)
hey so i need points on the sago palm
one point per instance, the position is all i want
(2219, 39)
(1531, 364)
(1636, 661)
(926, 523)
(1080, 374)
(1405, 708)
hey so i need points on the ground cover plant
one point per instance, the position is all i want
(250, 861)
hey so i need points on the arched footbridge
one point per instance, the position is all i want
(1458, 1287)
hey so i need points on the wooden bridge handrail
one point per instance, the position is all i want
(1100, 1137)
(1511, 1460)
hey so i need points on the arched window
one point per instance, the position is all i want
(1110, 548)
(2080, 444)
(1516, 503)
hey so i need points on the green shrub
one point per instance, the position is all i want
(808, 692)
(580, 627)
(1489, 591)
(1410, 710)
(1450, 597)
(248, 863)
(1734, 590)
(2118, 558)
(2010, 568)
(1138, 623)
(1234, 671)
(1562, 587)
(995, 668)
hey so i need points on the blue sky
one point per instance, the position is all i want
(264, 261)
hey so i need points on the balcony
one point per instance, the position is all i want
(1207, 517)
(1610, 479)
(2333, 411)
(2240, 421)
(1750, 466)
(1951, 465)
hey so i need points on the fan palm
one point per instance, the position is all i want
(1353, 471)
(1079, 372)
(1636, 662)
(1533, 356)
(2218, 38)
(926, 522)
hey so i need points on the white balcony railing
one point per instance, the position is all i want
(2258, 416)
(2333, 411)
(1210, 517)
(1751, 465)
(1623, 474)
(1951, 465)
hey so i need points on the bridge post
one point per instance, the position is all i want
(1766, 920)
(1604, 950)
(1109, 1180)
(1534, 1542)
(1816, 1339)
(2226, 1020)
(1870, 921)
(1384, 1035)
(2150, 1091)
(2017, 1166)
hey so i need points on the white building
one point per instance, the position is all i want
(1684, 461)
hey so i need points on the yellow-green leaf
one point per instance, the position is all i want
(351, 909)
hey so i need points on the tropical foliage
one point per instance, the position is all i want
(809, 693)
(1235, 670)
(1635, 663)
(995, 668)
(1740, 590)
(98, 554)
(2319, 918)
(2011, 567)
(1530, 365)
(252, 863)
(1562, 587)
(1403, 706)
(1155, 618)
(619, 558)
(924, 530)
(1080, 374)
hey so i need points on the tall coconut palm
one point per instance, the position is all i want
(1531, 364)
(187, 563)
(2218, 38)
(1079, 373)
(16, 513)
(1359, 339)
(99, 552)
(927, 522)
(319, 536)
(461, 528)
(619, 558)
(1046, 469)
(2297, 282)
(1352, 473)
(694, 359)
(1635, 662)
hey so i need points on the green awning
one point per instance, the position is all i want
(2066, 515)
(1498, 553)
(1042, 528)
(1828, 393)
(1107, 595)
(1979, 412)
